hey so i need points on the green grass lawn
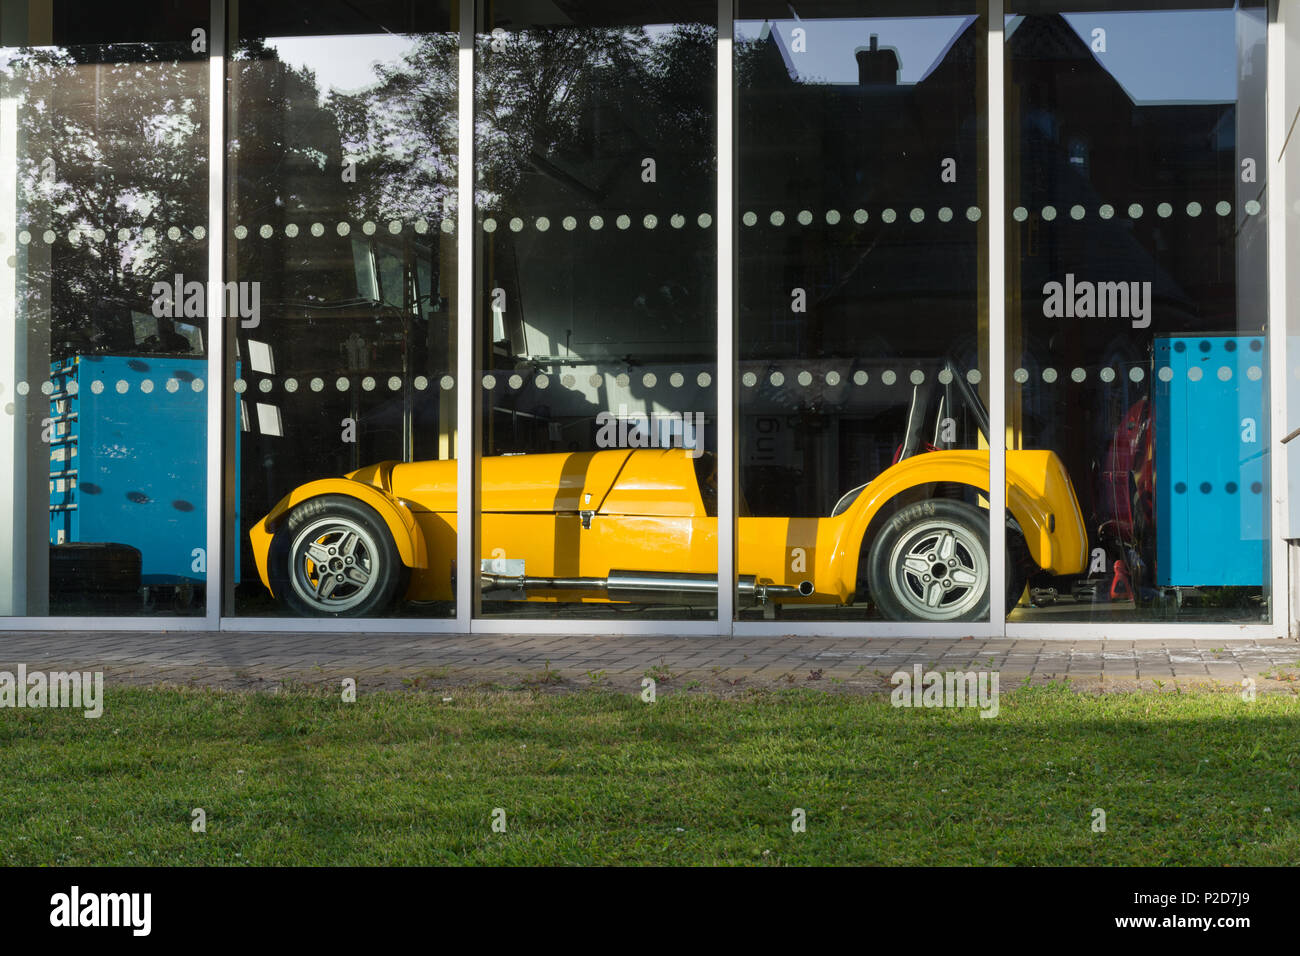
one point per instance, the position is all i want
(599, 777)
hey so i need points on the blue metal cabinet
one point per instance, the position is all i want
(1211, 469)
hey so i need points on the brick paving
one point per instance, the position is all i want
(378, 660)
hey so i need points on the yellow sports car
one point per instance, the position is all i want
(640, 526)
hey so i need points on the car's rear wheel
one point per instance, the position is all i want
(930, 562)
(334, 557)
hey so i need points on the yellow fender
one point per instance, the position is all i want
(1039, 497)
(401, 523)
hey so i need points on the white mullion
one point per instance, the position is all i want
(217, 394)
(997, 302)
(467, 444)
(1276, 123)
(725, 223)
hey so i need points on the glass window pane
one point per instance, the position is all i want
(103, 333)
(863, 332)
(1137, 304)
(341, 245)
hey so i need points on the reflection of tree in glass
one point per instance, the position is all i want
(103, 147)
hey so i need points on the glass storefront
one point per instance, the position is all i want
(869, 237)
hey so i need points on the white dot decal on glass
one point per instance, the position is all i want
(1225, 373)
(240, 386)
(22, 388)
(1077, 213)
(749, 379)
(889, 378)
(368, 383)
(704, 380)
(917, 377)
(973, 213)
(394, 227)
(266, 232)
(291, 385)
(777, 218)
(1165, 373)
(47, 388)
(1164, 210)
(569, 223)
(241, 232)
(677, 220)
(73, 388)
(623, 222)
(173, 385)
(342, 384)
(832, 378)
(596, 222)
(1107, 211)
(446, 226)
(421, 383)
(1252, 207)
(888, 215)
(98, 235)
(1020, 214)
(833, 217)
(567, 380)
(1135, 211)
(196, 385)
(1078, 375)
(317, 384)
(1021, 376)
(945, 214)
(805, 217)
(516, 224)
(1223, 208)
(97, 387)
(622, 380)
(1049, 213)
(74, 237)
(291, 230)
(777, 379)
(542, 381)
(596, 381)
(318, 229)
(264, 385)
(368, 228)
(543, 224)
(1193, 209)
(9, 408)
(1254, 373)
(25, 237)
(122, 386)
(394, 383)
(489, 382)
(650, 221)
(489, 225)
(1107, 374)
(860, 216)
(860, 377)
(150, 232)
(649, 380)
(1195, 374)
(749, 219)
(515, 381)
(805, 378)
(422, 226)
(974, 376)
(1049, 375)
(447, 383)
(676, 380)
(945, 376)
(705, 220)
(1136, 374)
(343, 228)
(916, 215)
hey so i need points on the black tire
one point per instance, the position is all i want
(368, 574)
(905, 593)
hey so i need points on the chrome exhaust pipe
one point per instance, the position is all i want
(650, 587)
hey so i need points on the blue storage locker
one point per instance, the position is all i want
(128, 456)
(1211, 478)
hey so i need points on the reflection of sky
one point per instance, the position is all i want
(342, 63)
(919, 41)
(1168, 56)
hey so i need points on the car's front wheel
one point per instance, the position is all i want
(931, 563)
(334, 557)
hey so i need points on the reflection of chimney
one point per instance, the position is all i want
(877, 67)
